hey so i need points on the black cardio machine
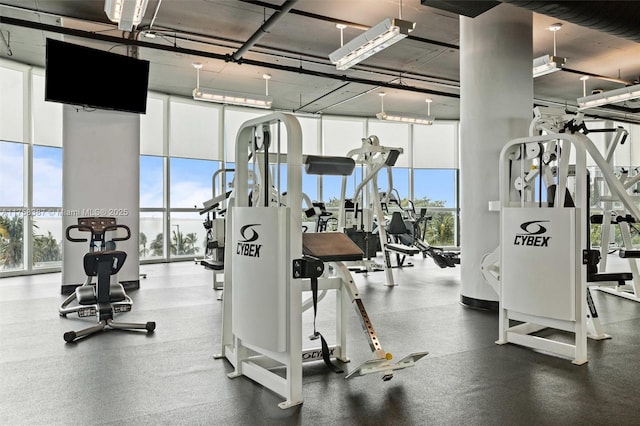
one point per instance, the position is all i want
(104, 298)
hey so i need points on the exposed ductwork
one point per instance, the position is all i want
(286, 7)
(619, 18)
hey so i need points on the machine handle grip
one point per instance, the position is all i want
(628, 254)
(79, 228)
(115, 228)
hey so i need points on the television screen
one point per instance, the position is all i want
(80, 75)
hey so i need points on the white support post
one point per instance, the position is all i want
(111, 139)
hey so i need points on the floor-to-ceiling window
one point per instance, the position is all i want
(435, 183)
(12, 205)
(12, 166)
(339, 136)
(194, 156)
(182, 144)
(46, 178)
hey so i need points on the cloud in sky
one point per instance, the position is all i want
(151, 181)
(47, 176)
(11, 174)
(189, 193)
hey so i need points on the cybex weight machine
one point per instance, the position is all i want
(354, 218)
(270, 263)
(545, 261)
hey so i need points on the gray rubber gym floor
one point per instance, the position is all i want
(170, 377)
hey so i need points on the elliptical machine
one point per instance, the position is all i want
(104, 298)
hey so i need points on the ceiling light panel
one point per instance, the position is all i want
(232, 98)
(126, 13)
(547, 64)
(372, 41)
(610, 97)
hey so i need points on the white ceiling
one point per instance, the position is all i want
(206, 30)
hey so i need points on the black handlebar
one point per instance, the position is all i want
(97, 227)
(80, 228)
(115, 228)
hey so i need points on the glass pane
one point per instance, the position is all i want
(47, 176)
(191, 181)
(11, 241)
(280, 180)
(11, 174)
(193, 130)
(47, 116)
(47, 240)
(310, 135)
(401, 181)
(331, 187)
(188, 235)
(439, 230)
(634, 144)
(394, 135)
(11, 105)
(152, 127)
(151, 181)
(435, 146)
(434, 187)
(340, 135)
(151, 238)
(622, 153)
(279, 130)
(233, 119)
(310, 185)
(224, 179)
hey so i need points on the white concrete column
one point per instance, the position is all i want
(496, 101)
(101, 177)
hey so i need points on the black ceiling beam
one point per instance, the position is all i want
(470, 9)
(134, 42)
(347, 23)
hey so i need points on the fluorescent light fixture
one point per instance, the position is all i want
(610, 97)
(428, 120)
(372, 41)
(547, 64)
(232, 98)
(229, 97)
(127, 13)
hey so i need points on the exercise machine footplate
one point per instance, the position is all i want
(384, 366)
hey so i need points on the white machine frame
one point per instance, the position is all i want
(246, 357)
(374, 157)
(558, 299)
(606, 199)
(552, 120)
(216, 204)
(262, 306)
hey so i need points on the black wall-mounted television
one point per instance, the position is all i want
(94, 78)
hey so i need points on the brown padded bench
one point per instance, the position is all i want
(330, 247)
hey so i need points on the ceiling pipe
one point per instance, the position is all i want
(347, 23)
(342, 86)
(598, 76)
(155, 14)
(172, 48)
(618, 18)
(273, 19)
(178, 34)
